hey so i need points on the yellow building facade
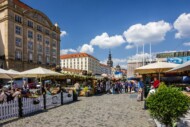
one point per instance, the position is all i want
(28, 38)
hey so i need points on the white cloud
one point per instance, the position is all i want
(105, 41)
(63, 33)
(129, 46)
(67, 51)
(151, 32)
(182, 25)
(139, 56)
(186, 44)
(86, 48)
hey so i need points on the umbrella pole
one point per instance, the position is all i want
(11, 83)
(159, 76)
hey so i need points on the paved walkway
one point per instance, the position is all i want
(98, 111)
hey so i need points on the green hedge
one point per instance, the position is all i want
(168, 104)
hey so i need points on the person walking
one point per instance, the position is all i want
(126, 87)
(140, 90)
(130, 85)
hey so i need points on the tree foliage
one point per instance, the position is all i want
(168, 104)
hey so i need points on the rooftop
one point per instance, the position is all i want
(76, 55)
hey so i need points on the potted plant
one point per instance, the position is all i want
(168, 104)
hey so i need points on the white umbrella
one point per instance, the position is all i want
(13, 74)
(182, 67)
(104, 75)
(4, 74)
(156, 68)
(11, 71)
(39, 73)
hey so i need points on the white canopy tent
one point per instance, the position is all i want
(156, 68)
(4, 74)
(182, 67)
(11, 71)
(39, 73)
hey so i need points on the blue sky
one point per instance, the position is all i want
(95, 26)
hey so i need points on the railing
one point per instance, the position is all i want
(24, 106)
(9, 109)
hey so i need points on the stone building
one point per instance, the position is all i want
(110, 62)
(28, 38)
(80, 61)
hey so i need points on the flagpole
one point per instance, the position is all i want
(150, 54)
(143, 54)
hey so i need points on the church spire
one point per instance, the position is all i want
(110, 62)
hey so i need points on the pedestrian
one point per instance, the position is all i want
(126, 87)
(140, 90)
(156, 83)
(77, 88)
(130, 85)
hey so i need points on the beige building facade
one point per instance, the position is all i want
(28, 38)
(80, 61)
(105, 69)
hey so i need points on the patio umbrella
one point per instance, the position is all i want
(156, 68)
(39, 73)
(13, 74)
(182, 67)
(11, 71)
(4, 74)
(104, 75)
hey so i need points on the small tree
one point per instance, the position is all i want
(168, 104)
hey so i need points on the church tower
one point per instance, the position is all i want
(110, 62)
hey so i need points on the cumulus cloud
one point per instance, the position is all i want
(86, 48)
(63, 33)
(150, 32)
(105, 41)
(140, 56)
(67, 51)
(186, 44)
(182, 25)
(129, 46)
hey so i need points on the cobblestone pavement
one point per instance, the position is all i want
(97, 111)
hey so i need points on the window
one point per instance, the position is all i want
(54, 60)
(18, 19)
(47, 32)
(30, 24)
(39, 28)
(47, 51)
(39, 37)
(47, 60)
(30, 34)
(18, 55)
(54, 44)
(47, 41)
(30, 45)
(54, 35)
(39, 48)
(39, 59)
(30, 56)
(54, 52)
(18, 30)
(18, 42)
